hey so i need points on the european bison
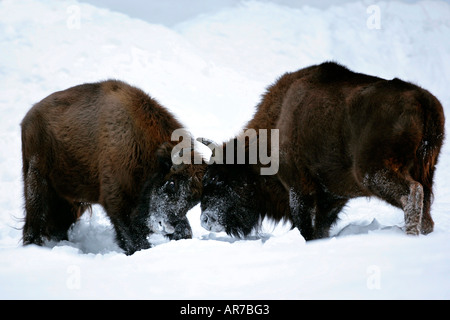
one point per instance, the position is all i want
(107, 143)
(342, 135)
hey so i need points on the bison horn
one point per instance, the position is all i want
(211, 145)
(177, 160)
(178, 156)
(206, 142)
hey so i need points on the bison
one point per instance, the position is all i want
(342, 135)
(105, 143)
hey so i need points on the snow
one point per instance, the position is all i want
(210, 69)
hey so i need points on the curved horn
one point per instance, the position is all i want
(206, 142)
(177, 157)
(212, 146)
(176, 161)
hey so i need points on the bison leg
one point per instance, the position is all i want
(314, 214)
(128, 236)
(413, 208)
(399, 191)
(36, 207)
(131, 231)
(328, 208)
(123, 236)
(427, 222)
(303, 212)
(48, 216)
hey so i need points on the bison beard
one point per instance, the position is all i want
(236, 199)
(342, 135)
(107, 143)
(221, 190)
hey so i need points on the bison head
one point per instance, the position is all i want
(171, 193)
(229, 200)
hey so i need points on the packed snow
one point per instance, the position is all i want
(210, 70)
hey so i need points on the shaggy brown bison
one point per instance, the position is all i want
(107, 143)
(342, 135)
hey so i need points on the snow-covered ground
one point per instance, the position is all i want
(210, 70)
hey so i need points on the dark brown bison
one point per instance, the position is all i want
(107, 143)
(341, 135)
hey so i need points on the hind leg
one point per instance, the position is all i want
(427, 221)
(427, 224)
(413, 207)
(48, 216)
(62, 215)
(400, 191)
(36, 210)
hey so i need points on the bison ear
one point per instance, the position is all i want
(163, 156)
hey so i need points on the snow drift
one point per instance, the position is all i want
(210, 71)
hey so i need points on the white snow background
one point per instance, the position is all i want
(210, 69)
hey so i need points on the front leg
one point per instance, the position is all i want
(303, 212)
(328, 207)
(123, 236)
(140, 233)
(131, 226)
